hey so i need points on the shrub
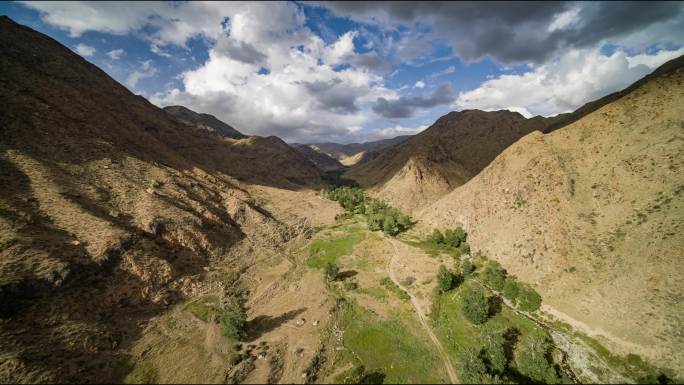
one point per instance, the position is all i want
(464, 248)
(467, 268)
(233, 320)
(445, 279)
(474, 305)
(533, 358)
(511, 289)
(528, 298)
(454, 237)
(331, 271)
(494, 351)
(472, 370)
(437, 237)
(494, 275)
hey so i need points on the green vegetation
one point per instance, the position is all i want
(475, 306)
(379, 215)
(387, 349)
(452, 238)
(331, 271)
(204, 308)
(522, 295)
(233, 320)
(446, 280)
(494, 275)
(467, 268)
(143, 373)
(324, 251)
(472, 369)
(392, 287)
(533, 358)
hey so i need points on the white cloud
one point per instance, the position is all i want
(154, 48)
(302, 98)
(115, 54)
(420, 84)
(563, 85)
(564, 19)
(449, 70)
(144, 71)
(392, 132)
(85, 50)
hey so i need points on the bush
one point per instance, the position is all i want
(464, 248)
(467, 268)
(528, 298)
(533, 358)
(474, 304)
(233, 320)
(494, 351)
(511, 289)
(454, 237)
(437, 237)
(494, 275)
(472, 370)
(331, 271)
(445, 279)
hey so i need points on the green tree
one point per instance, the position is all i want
(474, 304)
(511, 289)
(467, 268)
(533, 358)
(494, 352)
(445, 279)
(494, 275)
(472, 370)
(331, 271)
(464, 247)
(528, 298)
(389, 225)
(233, 320)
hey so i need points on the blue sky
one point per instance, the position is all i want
(312, 72)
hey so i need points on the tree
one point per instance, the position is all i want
(528, 298)
(437, 236)
(494, 351)
(472, 370)
(464, 247)
(445, 279)
(494, 275)
(474, 304)
(389, 225)
(511, 289)
(233, 320)
(467, 268)
(533, 358)
(331, 271)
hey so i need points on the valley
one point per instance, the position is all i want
(141, 244)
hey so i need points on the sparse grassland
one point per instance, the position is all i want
(328, 250)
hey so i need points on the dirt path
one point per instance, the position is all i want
(421, 314)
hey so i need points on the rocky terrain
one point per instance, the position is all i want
(112, 211)
(354, 153)
(203, 121)
(455, 148)
(324, 161)
(592, 213)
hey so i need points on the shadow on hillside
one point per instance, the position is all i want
(263, 324)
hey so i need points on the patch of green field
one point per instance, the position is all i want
(387, 347)
(324, 251)
(203, 308)
(375, 292)
(434, 249)
(392, 287)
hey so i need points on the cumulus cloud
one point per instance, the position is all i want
(564, 84)
(85, 50)
(144, 71)
(392, 132)
(115, 54)
(406, 106)
(420, 84)
(523, 32)
(311, 91)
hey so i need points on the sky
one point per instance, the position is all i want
(358, 71)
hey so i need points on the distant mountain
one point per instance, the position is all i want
(593, 214)
(324, 161)
(355, 153)
(204, 121)
(455, 148)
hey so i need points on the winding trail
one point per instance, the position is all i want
(421, 315)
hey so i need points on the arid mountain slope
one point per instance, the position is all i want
(205, 121)
(324, 161)
(455, 148)
(353, 153)
(111, 211)
(593, 215)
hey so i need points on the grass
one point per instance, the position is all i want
(434, 249)
(203, 308)
(387, 346)
(324, 251)
(375, 292)
(143, 373)
(393, 288)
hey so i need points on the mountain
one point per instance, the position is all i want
(112, 211)
(455, 148)
(593, 214)
(204, 121)
(324, 161)
(354, 153)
